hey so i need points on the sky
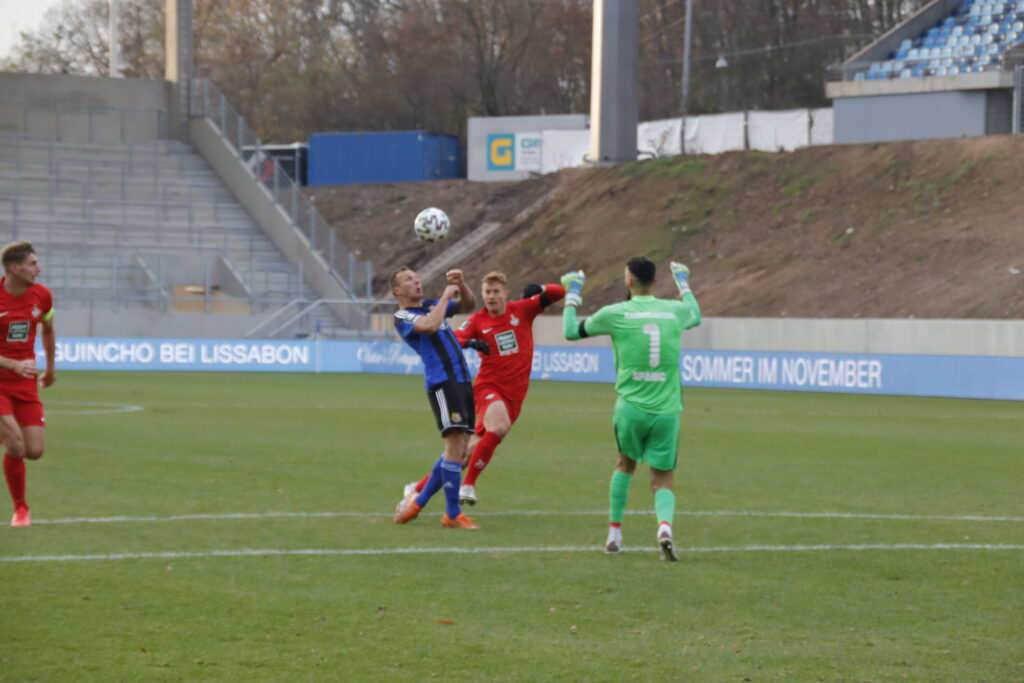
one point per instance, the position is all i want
(20, 15)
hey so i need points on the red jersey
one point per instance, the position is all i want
(19, 318)
(510, 337)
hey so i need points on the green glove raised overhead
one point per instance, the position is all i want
(681, 274)
(573, 282)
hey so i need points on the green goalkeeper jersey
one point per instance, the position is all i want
(645, 334)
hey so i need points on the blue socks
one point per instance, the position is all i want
(451, 475)
(447, 475)
(433, 484)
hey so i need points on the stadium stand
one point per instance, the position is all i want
(973, 38)
(122, 224)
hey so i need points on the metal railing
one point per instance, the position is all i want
(208, 102)
(85, 122)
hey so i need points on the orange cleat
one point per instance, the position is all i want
(407, 510)
(21, 517)
(460, 522)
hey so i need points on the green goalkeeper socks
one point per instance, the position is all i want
(618, 494)
(664, 505)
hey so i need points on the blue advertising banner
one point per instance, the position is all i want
(948, 376)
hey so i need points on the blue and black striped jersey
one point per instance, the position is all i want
(442, 356)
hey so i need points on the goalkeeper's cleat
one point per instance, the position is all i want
(668, 552)
(573, 282)
(407, 510)
(461, 521)
(614, 543)
(467, 494)
(681, 274)
(21, 517)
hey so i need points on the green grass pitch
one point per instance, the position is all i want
(237, 527)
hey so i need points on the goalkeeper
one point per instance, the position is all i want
(645, 334)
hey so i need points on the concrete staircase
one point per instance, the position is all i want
(131, 225)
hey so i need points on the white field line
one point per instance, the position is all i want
(91, 408)
(533, 513)
(265, 552)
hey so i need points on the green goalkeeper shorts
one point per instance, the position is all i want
(645, 437)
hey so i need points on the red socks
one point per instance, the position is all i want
(14, 472)
(482, 455)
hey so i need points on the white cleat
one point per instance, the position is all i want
(668, 552)
(614, 543)
(408, 493)
(467, 494)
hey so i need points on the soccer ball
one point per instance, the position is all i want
(431, 225)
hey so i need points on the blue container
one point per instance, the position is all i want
(393, 157)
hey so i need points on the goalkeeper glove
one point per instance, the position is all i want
(681, 274)
(479, 345)
(573, 283)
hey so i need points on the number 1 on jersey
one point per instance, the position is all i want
(653, 333)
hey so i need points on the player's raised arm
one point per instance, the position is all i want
(465, 298)
(681, 276)
(551, 293)
(428, 324)
(573, 282)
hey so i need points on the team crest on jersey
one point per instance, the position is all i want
(514, 320)
(35, 311)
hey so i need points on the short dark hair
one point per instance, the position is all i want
(642, 269)
(15, 252)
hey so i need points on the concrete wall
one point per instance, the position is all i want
(487, 164)
(909, 117)
(140, 102)
(1001, 338)
(153, 324)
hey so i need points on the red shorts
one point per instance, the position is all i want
(484, 396)
(22, 401)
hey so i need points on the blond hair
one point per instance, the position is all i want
(496, 276)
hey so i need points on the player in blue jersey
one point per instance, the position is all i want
(422, 324)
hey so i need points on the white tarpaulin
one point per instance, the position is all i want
(563, 149)
(714, 133)
(777, 131)
(821, 126)
(660, 138)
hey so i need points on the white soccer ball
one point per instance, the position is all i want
(431, 225)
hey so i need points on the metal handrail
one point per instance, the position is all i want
(208, 102)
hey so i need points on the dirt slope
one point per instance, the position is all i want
(926, 229)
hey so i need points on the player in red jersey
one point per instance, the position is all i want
(24, 305)
(505, 329)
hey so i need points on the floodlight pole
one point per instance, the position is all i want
(687, 45)
(113, 65)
